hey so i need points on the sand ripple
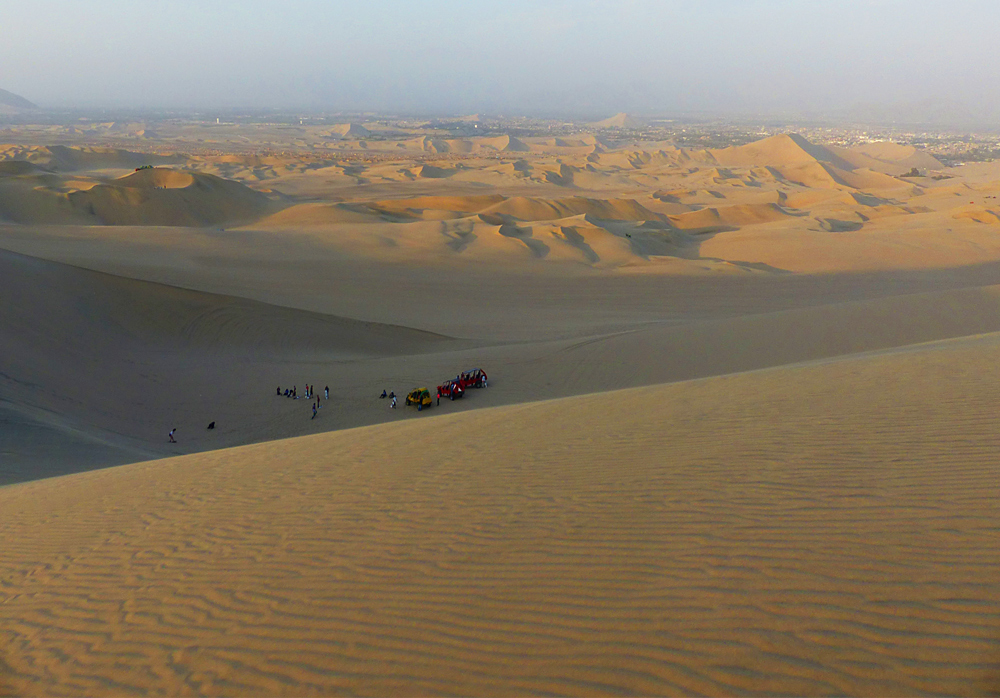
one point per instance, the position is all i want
(823, 529)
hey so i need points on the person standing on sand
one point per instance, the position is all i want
(171, 435)
(314, 411)
(279, 391)
(326, 392)
(392, 404)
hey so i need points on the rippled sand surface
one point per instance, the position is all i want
(826, 528)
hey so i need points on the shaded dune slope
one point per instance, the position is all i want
(95, 356)
(110, 363)
(826, 528)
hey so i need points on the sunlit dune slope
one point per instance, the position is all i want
(826, 528)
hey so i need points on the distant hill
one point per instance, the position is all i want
(11, 103)
(620, 120)
(350, 131)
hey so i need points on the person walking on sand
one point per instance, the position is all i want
(171, 435)
(314, 411)
(393, 403)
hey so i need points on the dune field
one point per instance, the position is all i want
(738, 437)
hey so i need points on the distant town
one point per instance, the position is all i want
(303, 133)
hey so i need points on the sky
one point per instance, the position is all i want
(510, 56)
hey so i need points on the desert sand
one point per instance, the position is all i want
(738, 438)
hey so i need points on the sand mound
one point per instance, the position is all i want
(433, 172)
(977, 214)
(350, 131)
(157, 178)
(317, 214)
(507, 144)
(534, 209)
(149, 197)
(902, 156)
(416, 207)
(785, 149)
(820, 197)
(16, 167)
(728, 216)
(67, 159)
(168, 197)
(824, 528)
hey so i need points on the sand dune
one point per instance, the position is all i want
(67, 158)
(731, 192)
(620, 120)
(350, 131)
(725, 216)
(786, 149)
(529, 209)
(149, 197)
(978, 214)
(764, 533)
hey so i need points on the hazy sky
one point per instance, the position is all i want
(583, 56)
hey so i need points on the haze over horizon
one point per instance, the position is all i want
(593, 58)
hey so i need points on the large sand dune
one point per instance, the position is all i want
(828, 528)
(160, 197)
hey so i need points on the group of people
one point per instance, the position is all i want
(310, 393)
(392, 397)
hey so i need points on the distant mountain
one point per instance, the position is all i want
(620, 120)
(350, 131)
(11, 103)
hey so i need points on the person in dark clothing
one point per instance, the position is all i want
(211, 425)
(383, 395)
(314, 411)
(279, 391)
(326, 392)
